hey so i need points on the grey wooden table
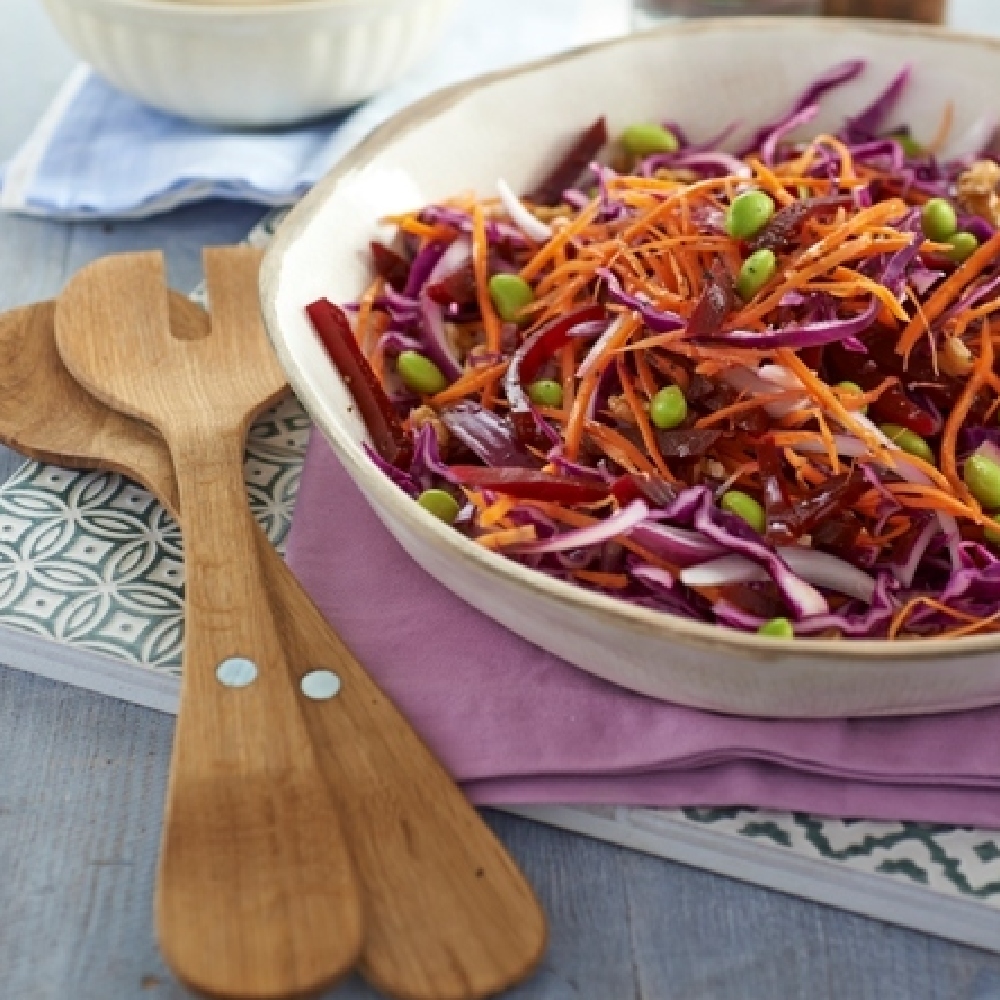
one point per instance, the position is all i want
(82, 777)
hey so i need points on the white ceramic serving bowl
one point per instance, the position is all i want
(513, 124)
(253, 64)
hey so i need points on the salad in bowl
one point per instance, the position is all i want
(674, 355)
(752, 388)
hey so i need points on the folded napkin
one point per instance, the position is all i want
(98, 153)
(516, 725)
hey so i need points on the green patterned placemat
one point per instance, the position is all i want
(93, 559)
(91, 563)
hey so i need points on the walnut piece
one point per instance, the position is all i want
(955, 358)
(424, 415)
(977, 190)
(549, 213)
(682, 174)
(618, 408)
(464, 338)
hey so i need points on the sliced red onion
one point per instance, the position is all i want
(680, 546)
(532, 227)
(869, 623)
(905, 569)
(620, 523)
(818, 568)
(749, 381)
(655, 575)
(575, 199)
(487, 435)
(739, 538)
(394, 342)
(780, 376)
(452, 260)
(435, 338)
(659, 321)
(805, 335)
(922, 278)
(593, 328)
(589, 362)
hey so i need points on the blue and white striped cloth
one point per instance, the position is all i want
(99, 154)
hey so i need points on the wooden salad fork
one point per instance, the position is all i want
(447, 914)
(256, 893)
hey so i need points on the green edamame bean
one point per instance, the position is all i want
(757, 270)
(510, 294)
(963, 246)
(668, 408)
(546, 392)
(855, 388)
(420, 374)
(778, 628)
(911, 147)
(906, 440)
(982, 476)
(938, 220)
(744, 506)
(748, 214)
(442, 505)
(643, 139)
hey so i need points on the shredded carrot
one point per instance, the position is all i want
(559, 241)
(507, 537)
(923, 601)
(619, 449)
(642, 420)
(480, 267)
(472, 381)
(588, 384)
(495, 513)
(953, 424)
(826, 397)
(662, 238)
(615, 581)
(945, 293)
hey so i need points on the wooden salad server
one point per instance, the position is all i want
(256, 891)
(447, 914)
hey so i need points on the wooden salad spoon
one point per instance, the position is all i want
(447, 913)
(256, 892)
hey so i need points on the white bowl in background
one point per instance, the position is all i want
(254, 64)
(703, 74)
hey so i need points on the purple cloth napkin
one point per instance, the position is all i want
(516, 725)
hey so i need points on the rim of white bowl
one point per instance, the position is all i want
(434, 531)
(228, 10)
